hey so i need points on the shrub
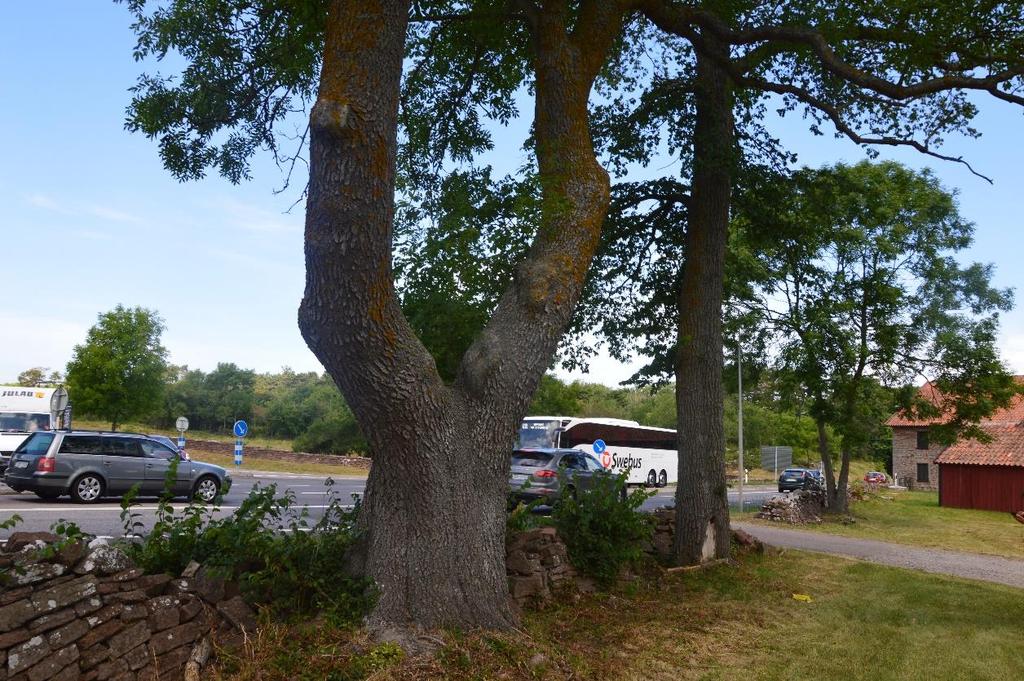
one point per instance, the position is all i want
(603, 527)
(267, 544)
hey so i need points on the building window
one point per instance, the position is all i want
(922, 439)
(922, 472)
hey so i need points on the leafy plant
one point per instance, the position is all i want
(268, 544)
(603, 527)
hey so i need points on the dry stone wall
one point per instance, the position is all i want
(78, 611)
(537, 563)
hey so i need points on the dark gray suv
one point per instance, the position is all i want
(90, 465)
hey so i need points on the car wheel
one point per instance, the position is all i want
(206, 489)
(662, 479)
(88, 489)
(652, 479)
(49, 495)
(781, 490)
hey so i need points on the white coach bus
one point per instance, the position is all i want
(649, 454)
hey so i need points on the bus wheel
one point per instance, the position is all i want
(662, 479)
(652, 478)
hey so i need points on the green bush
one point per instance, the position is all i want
(334, 433)
(267, 544)
(603, 527)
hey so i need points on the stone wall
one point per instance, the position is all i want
(906, 456)
(85, 612)
(258, 453)
(537, 563)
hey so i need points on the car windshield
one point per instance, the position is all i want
(792, 471)
(538, 434)
(531, 459)
(21, 422)
(37, 443)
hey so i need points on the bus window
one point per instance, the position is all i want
(538, 434)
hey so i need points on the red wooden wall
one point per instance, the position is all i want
(994, 488)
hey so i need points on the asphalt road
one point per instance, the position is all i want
(1007, 571)
(311, 491)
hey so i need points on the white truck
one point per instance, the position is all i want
(23, 411)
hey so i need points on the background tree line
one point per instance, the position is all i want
(307, 408)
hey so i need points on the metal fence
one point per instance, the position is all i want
(776, 458)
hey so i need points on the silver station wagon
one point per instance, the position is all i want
(89, 465)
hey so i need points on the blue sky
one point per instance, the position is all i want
(91, 219)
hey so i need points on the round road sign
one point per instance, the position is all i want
(599, 446)
(59, 399)
(181, 424)
(241, 428)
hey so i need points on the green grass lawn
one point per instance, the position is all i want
(760, 476)
(916, 518)
(227, 460)
(274, 466)
(133, 427)
(731, 622)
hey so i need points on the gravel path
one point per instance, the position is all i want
(970, 565)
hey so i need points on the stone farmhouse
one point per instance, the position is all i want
(968, 473)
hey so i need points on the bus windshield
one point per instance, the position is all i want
(20, 422)
(538, 435)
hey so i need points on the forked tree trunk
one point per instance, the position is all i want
(433, 518)
(702, 509)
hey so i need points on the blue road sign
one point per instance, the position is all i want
(599, 446)
(238, 448)
(241, 428)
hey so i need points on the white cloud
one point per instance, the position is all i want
(93, 235)
(251, 218)
(105, 213)
(75, 210)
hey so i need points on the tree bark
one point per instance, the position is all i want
(433, 519)
(702, 509)
(826, 462)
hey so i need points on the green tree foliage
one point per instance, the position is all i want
(118, 373)
(306, 408)
(555, 398)
(32, 377)
(860, 289)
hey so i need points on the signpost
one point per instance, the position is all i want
(58, 403)
(241, 430)
(601, 450)
(182, 425)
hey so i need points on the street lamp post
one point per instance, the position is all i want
(739, 370)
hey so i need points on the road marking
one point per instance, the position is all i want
(54, 509)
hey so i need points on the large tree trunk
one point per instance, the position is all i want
(840, 503)
(824, 451)
(702, 509)
(433, 518)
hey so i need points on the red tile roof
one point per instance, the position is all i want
(930, 393)
(1005, 449)
(1005, 427)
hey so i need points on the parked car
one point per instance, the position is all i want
(796, 478)
(875, 478)
(818, 478)
(89, 465)
(536, 473)
(173, 444)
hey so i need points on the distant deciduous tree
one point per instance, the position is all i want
(118, 373)
(32, 377)
(860, 289)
